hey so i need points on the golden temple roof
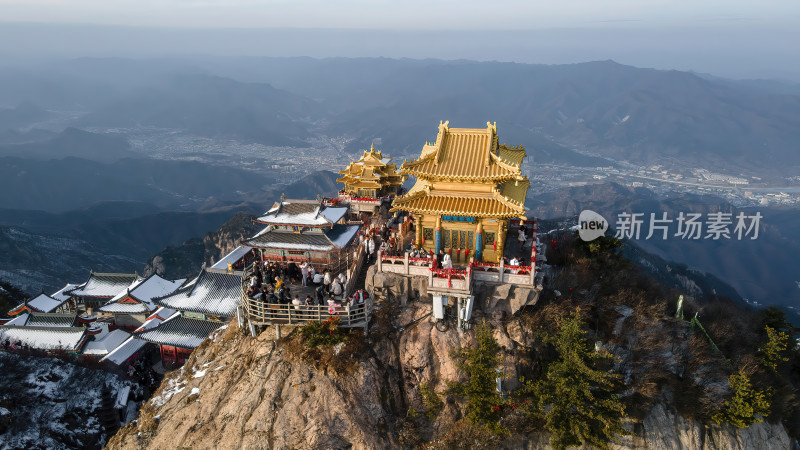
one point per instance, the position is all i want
(494, 205)
(467, 154)
(515, 190)
(371, 170)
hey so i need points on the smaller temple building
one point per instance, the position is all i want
(306, 230)
(370, 182)
(191, 313)
(44, 303)
(99, 289)
(46, 331)
(131, 307)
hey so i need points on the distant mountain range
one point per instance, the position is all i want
(73, 142)
(614, 111)
(42, 249)
(764, 270)
(215, 107)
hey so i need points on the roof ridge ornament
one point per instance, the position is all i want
(444, 127)
(280, 203)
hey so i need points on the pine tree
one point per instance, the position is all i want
(484, 404)
(747, 402)
(773, 352)
(577, 400)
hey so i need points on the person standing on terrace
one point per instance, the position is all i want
(304, 271)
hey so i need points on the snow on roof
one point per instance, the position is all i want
(68, 338)
(125, 351)
(341, 235)
(303, 213)
(334, 214)
(156, 320)
(61, 294)
(287, 240)
(146, 289)
(104, 285)
(142, 290)
(180, 332)
(45, 303)
(107, 344)
(233, 257)
(214, 292)
(18, 321)
(117, 307)
(163, 313)
(37, 319)
(122, 397)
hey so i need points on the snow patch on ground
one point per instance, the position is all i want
(216, 333)
(175, 385)
(51, 403)
(338, 348)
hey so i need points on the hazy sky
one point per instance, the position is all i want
(442, 14)
(731, 38)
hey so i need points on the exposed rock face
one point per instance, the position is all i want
(243, 392)
(665, 430)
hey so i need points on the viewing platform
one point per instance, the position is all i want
(260, 313)
(458, 280)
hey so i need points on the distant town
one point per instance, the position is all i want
(739, 190)
(286, 164)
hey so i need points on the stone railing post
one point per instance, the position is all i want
(501, 269)
(380, 264)
(405, 263)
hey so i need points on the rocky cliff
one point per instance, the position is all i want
(238, 391)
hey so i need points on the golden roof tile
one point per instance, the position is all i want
(466, 154)
(491, 205)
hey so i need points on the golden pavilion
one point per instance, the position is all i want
(468, 187)
(370, 180)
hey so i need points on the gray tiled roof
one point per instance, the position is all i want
(341, 235)
(180, 332)
(45, 303)
(68, 338)
(124, 308)
(213, 292)
(141, 291)
(287, 240)
(104, 285)
(51, 319)
(302, 213)
(125, 351)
